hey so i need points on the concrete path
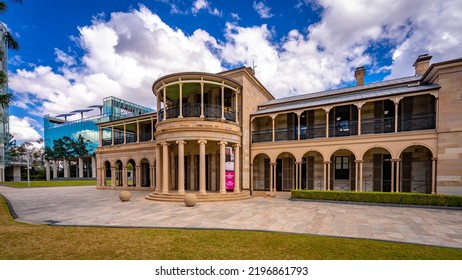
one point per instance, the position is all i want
(89, 206)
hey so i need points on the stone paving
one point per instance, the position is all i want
(89, 206)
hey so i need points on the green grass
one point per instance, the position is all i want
(25, 241)
(63, 183)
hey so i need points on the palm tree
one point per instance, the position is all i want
(9, 42)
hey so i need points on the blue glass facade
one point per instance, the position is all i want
(112, 109)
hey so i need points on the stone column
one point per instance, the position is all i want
(113, 177)
(124, 177)
(360, 175)
(434, 175)
(273, 133)
(271, 176)
(222, 166)
(100, 138)
(164, 117)
(396, 115)
(80, 167)
(137, 131)
(236, 94)
(202, 166)
(392, 176)
(158, 169)
(298, 128)
(112, 136)
(93, 167)
(47, 170)
(325, 175)
(55, 169)
(327, 122)
(398, 182)
(356, 175)
(275, 186)
(181, 166)
(298, 172)
(223, 103)
(66, 168)
(180, 114)
(237, 171)
(152, 176)
(125, 133)
(165, 156)
(137, 176)
(359, 120)
(202, 97)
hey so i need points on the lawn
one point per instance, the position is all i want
(63, 183)
(25, 241)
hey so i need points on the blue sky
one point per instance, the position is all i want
(75, 53)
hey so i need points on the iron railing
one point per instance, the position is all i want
(417, 122)
(191, 110)
(377, 126)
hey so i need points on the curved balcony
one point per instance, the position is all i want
(197, 95)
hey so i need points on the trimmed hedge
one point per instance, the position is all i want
(380, 197)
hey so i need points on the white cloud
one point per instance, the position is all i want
(64, 58)
(122, 57)
(199, 5)
(22, 129)
(262, 10)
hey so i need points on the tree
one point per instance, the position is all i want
(11, 43)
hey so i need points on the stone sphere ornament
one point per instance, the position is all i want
(125, 196)
(190, 199)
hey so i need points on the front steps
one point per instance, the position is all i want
(208, 197)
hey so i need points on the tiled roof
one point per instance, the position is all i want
(389, 83)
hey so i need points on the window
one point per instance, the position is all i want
(342, 167)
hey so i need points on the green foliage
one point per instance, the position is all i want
(66, 147)
(380, 197)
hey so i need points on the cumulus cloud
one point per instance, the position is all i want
(199, 5)
(262, 10)
(122, 57)
(23, 129)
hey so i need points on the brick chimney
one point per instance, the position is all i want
(359, 75)
(422, 63)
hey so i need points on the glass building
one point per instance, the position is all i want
(4, 116)
(58, 130)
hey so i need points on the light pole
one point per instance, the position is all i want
(28, 166)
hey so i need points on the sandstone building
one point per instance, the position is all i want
(224, 133)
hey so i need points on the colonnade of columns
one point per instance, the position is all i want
(54, 165)
(181, 82)
(163, 169)
(358, 182)
(358, 105)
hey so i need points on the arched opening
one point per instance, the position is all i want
(131, 173)
(107, 174)
(145, 173)
(377, 170)
(416, 169)
(285, 172)
(342, 171)
(118, 173)
(261, 173)
(312, 171)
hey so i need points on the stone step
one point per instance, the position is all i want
(209, 197)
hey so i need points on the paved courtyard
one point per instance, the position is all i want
(89, 206)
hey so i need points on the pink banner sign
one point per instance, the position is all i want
(229, 180)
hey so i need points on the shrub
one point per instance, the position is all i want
(380, 197)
